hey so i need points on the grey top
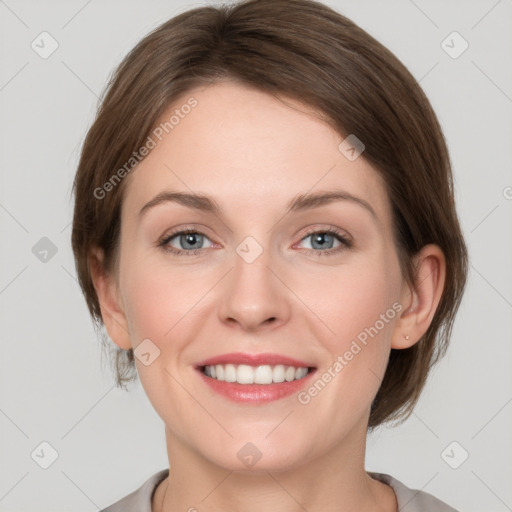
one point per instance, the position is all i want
(409, 500)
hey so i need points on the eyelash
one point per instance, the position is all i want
(346, 243)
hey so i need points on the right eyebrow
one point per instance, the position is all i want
(196, 201)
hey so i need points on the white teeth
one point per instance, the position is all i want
(263, 375)
(229, 373)
(289, 374)
(300, 372)
(245, 374)
(278, 373)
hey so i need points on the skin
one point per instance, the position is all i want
(252, 153)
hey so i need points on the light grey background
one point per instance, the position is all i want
(52, 386)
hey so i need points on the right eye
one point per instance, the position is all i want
(190, 240)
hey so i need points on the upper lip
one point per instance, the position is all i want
(254, 360)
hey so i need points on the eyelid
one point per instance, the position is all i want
(186, 228)
(329, 229)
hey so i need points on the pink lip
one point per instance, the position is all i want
(254, 360)
(255, 393)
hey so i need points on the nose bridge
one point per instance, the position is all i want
(254, 295)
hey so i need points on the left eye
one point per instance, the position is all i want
(325, 240)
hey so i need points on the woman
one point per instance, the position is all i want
(265, 224)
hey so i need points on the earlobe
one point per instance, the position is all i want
(422, 301)
(106, 289)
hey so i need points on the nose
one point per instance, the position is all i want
(254, 296)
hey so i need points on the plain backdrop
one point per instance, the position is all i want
(58, 402)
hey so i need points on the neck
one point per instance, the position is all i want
(336, 481)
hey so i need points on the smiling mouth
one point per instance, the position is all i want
(263, 374)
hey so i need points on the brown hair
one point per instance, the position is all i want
(306, 51)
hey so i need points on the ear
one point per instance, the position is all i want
(420, 303)
(106, 289)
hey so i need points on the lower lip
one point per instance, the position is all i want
(256, 393)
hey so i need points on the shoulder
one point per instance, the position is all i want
(416, 501)
(139, 500)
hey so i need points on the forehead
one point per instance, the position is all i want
(247, 148)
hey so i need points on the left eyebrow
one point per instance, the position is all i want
(301, 202)
(308, 201)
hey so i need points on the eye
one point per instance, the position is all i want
(189, 241)
(325, 239)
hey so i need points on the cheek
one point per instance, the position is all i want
(360, 306)
(163, 301)
(162, 306)
(356, 303)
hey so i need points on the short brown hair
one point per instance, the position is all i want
(306, 51)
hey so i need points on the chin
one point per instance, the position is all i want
(256, 454)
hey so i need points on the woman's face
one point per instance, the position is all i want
(256, 278)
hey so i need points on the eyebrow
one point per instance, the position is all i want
(299, 203)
